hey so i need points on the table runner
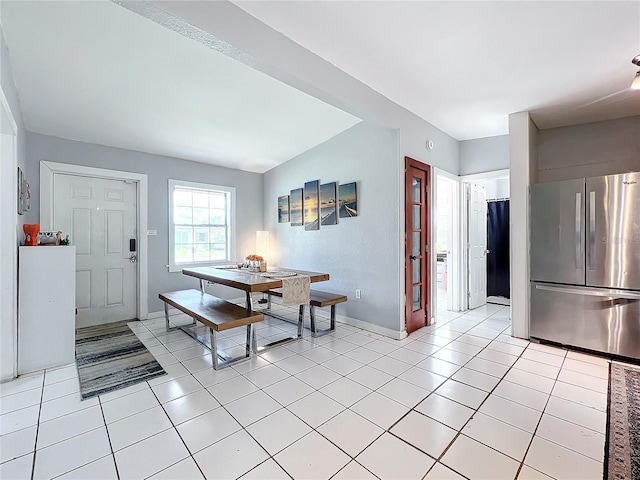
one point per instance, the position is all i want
(295, 290)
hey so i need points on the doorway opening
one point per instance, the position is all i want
(445, 188)
(487, 232)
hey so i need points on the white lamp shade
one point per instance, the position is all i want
(636, 82)
(262, 244)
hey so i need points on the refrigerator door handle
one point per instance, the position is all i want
(592, 230)
(591, 293)
(578, 236)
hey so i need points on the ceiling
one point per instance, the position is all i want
(465, 66)
(99, 73)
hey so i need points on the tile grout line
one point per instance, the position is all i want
(113, 454)
(450, 377)
(459, 432)
(338, 355)
(522, 464)
(35, 443)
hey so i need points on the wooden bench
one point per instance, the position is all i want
(217, 314)
(316, 299)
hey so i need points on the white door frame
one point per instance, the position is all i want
(454, 259)
(465, 179)
(10, 342)
(48, 169)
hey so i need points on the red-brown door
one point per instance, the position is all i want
(417, 238)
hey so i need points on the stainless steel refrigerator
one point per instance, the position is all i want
(585, 263)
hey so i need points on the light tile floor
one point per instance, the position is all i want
(460, 399)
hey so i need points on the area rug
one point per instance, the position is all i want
(110, 357)
(622, 449)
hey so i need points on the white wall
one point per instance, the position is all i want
(589, 150)
(523, 152)
(11, 226)
(484, 155)
(494, 187)
(236, 33)
(358, 253)
(159, 170)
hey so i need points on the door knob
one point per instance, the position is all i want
(412, 257)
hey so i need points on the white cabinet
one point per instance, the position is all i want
(46, 307)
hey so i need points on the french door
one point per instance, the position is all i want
(417, 240)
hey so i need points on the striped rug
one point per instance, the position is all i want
(110, 357)
(622, 448)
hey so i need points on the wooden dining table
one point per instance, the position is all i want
(254, 282)
(247, 281)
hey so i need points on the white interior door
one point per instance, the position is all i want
(99, 215)
(477, 246)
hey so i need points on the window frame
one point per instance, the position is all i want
(231, 223)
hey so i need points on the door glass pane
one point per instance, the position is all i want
(416, 217)
(415, 243)
(416, 298)
(416, 190)
(415, 268)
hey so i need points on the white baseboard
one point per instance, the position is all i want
(370, 327)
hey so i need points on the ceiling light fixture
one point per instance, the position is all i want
(636, 81)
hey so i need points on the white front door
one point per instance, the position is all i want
(99, 215)
(477, 246)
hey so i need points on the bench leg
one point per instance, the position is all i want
(221, 359)
(214, 348)
(268, 301)
(251, 340)
(314, 330)
(166, 319)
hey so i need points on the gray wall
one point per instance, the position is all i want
(159, 170)
(589, 150)
(361, 252)
(484, 155)
(414, 134)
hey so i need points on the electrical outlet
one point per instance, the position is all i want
(358, 293)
